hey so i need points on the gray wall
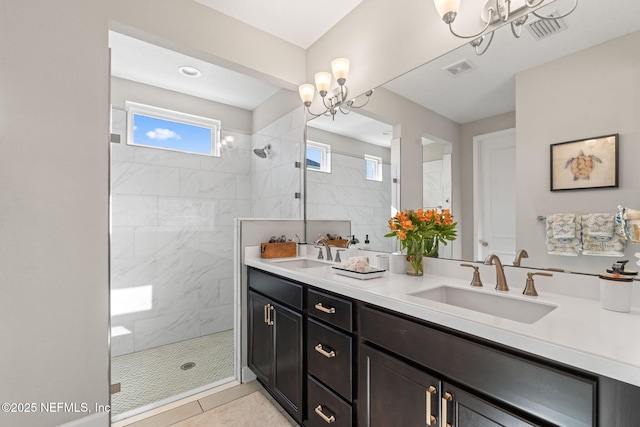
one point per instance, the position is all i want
(54, 207)
(595, 92)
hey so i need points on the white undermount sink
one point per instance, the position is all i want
(301, 263)
(496, 305)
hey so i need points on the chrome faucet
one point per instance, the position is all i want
(519, 255)
(501, 280)
(323, 242)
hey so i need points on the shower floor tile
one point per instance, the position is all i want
(157, 374)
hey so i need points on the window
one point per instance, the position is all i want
(318, 157)
(170, 130)
(373, 167)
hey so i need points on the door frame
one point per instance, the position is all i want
(477, 200)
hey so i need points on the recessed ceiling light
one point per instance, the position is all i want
(189, 71)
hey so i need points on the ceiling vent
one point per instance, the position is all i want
(545, 28)
(459, 68)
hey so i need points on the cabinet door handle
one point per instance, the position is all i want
(431, 420)
(326, 419)
(266, 318)
(269, 312)
(322, 308)
(447, 397)
(323, 352)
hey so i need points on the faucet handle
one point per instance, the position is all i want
(530, 288)
(337, 258)
(320, 255)
(476, 282)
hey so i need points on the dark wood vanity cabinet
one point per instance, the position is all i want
(275, 333)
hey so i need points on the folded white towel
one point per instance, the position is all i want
(564, 226)
(597, 240)
(567, 227)
(600, 225)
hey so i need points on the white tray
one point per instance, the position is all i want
(371, 274)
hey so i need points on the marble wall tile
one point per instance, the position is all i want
(139, 179)
(207, 184)
(122, 152)
(187, 211)
(163, 240)
(121, 242)
(230, 209)
(174, 159)
(133, 210)
(122, 344)
(166, 329)
(217, 319)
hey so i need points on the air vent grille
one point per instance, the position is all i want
(545, 28)
(460, 67)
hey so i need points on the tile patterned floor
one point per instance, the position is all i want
(153, 375)
(245, 405)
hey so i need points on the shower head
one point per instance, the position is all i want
(263, 153)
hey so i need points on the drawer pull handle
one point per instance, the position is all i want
(266, 318)
(269, 313)
(431, 420)
(323, 352)
(324, 309)
(326, 419)
(445, 399)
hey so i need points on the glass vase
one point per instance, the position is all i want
(431, 248)
(415, 254)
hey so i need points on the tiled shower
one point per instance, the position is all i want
(172, 217)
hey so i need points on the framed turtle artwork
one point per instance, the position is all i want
(585, 163)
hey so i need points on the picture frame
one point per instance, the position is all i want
(585, 163)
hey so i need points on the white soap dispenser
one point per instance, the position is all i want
(367, 246)
(352, 249)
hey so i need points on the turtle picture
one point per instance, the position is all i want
(582, 165)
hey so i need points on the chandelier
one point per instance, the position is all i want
(493, 11)
(337, 100)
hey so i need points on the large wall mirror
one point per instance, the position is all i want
(578, 81)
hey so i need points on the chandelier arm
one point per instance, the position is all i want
(479, 32)
(516, 34)
(478, 52)
(537, 15)
(316, 115)
(347, 110)
(362, 105)
(507, 10)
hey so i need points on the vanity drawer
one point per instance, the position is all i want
(279, 289)
(329, 357)
(331, 309)
(322, 404)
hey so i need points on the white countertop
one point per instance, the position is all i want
(578, 332)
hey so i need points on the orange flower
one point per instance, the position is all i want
(401, 235)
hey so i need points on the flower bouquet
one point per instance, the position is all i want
(420, 232)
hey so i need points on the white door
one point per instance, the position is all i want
(495, 195)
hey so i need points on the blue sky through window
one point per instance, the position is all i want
(314, 157)
(154, 132)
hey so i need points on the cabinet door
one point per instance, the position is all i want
(260, 337)
(287, 375)
(395, 394)
(462, 409)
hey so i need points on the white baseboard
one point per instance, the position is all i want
(248, 375)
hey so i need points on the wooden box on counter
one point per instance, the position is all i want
(278, 250)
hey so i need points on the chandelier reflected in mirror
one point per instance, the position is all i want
(492, 12)
(335, 100)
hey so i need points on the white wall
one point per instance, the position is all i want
(54, 207)
(595, 92)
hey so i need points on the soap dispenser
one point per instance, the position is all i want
(352, 249)
(367, 246)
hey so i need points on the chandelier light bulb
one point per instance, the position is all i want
(323, 82)
(306, 93)
(340, 68)
(445, 7)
